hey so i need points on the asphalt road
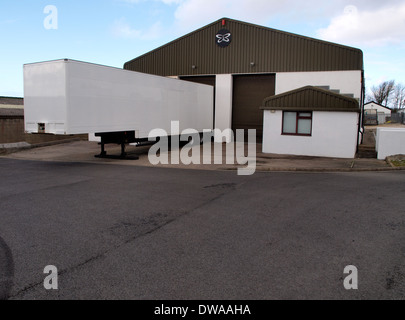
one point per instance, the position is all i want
(127, 232)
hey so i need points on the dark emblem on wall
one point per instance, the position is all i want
(223, 38)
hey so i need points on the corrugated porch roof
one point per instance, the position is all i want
(311, 98)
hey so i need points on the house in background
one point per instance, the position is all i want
(311, 121)
(376, 113)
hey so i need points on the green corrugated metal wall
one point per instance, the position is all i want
(271, 51)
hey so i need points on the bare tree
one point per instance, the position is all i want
(399, 96)
(382, 93)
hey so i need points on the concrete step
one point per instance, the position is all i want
(367, 152)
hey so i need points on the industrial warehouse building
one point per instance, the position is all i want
(247, 64)
(11, 120)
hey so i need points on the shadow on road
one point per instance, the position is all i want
(6, 270)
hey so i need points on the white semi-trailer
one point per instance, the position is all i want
(65, 97)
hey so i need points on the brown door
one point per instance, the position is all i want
(249, 91)
(210, 80)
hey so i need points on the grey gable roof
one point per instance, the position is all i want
(311, 98)
(270, 50)
(380, 105)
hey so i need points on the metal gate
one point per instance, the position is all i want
(398, 117)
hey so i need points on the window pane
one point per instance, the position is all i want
(305, 114)
(304, 126)
(290, 122)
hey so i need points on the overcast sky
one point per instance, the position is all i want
(111, 32)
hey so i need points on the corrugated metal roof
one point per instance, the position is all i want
(311, 99)
(12, 101)
(270, 50)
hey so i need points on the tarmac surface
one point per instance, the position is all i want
(85, 151)
(138, 232)
(126, 229)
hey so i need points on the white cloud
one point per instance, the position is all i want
(131, 1)
(8, 21)
(382, 26)
(168, 2)
(191, 13)
(122, 29)
(379, 16)
(205, 8)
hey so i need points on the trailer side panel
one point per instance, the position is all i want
(105, 99)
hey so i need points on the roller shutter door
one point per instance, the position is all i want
(248, 94)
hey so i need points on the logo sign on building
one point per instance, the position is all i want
(223, 38)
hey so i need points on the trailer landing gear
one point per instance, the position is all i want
(121, 138)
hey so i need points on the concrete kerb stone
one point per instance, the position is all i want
(10, 148)
(321, 170)
(266, 164)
